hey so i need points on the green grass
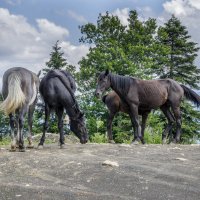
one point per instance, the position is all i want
(98, 138)
(5, 141)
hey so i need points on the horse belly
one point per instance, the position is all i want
(153, 99)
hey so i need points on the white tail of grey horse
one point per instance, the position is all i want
(15, 98)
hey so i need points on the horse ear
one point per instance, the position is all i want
(107, 72)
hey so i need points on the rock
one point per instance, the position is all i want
(110, 163)
(182, 159)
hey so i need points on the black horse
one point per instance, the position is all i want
(165, 94)
(57, 89)
(115, 105)
(20, 88)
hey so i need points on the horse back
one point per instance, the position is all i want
(149, 94)
(18, 89)
(115, 104)
(54, 91)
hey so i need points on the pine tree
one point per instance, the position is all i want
(176, 61)
(57, 60)
(175, 58)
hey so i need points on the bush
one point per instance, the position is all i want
(98, 138)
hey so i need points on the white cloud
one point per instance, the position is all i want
(178, 7)
(49, 30)
(76, 16)
(122, 14)
(194, 3)
(27, 46)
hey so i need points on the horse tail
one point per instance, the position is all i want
(191, 95)
(104, 98)
(15, 98)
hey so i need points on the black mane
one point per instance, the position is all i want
(122, 83)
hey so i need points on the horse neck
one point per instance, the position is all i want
(115, 85)
(74, 111)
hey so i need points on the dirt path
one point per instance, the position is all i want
(150, 172)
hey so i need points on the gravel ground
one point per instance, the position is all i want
(101, 172)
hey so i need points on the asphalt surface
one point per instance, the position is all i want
(150, 172)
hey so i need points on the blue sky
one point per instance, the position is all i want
(29, 28)
(62, 12)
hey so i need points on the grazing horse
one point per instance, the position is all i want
(115, 105)
(20, 87)
(57, 89)
(148, 94)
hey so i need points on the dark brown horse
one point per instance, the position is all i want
(165, 94)
(115, 105)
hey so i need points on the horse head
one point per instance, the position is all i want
(103, 83)
(77, 125)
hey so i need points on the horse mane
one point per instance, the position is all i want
(122, 83)
(70, 78)
(70, 86)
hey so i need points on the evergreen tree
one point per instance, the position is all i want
(175, 58)
(57, 60)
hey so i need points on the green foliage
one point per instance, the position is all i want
(152, 136)
(176, 61)
(5, 140)
(98, 138)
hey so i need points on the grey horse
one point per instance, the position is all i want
(19, 90)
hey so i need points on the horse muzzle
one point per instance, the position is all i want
(83, 141)
(97, 93)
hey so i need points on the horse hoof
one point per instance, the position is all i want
(22, 149)
(12, 149)
(40, 146)
(63, 146)
(172, 143)
(30, 146)
(135, 142)
(111, 141)
(164, 141)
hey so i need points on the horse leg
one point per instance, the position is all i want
(30, 123)
(22, 113)
(13, 138)
(45, 127)
(144, 120)
(109, 127)
(166, 111)
(59, 113)
(135, 122)
(177, 114)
